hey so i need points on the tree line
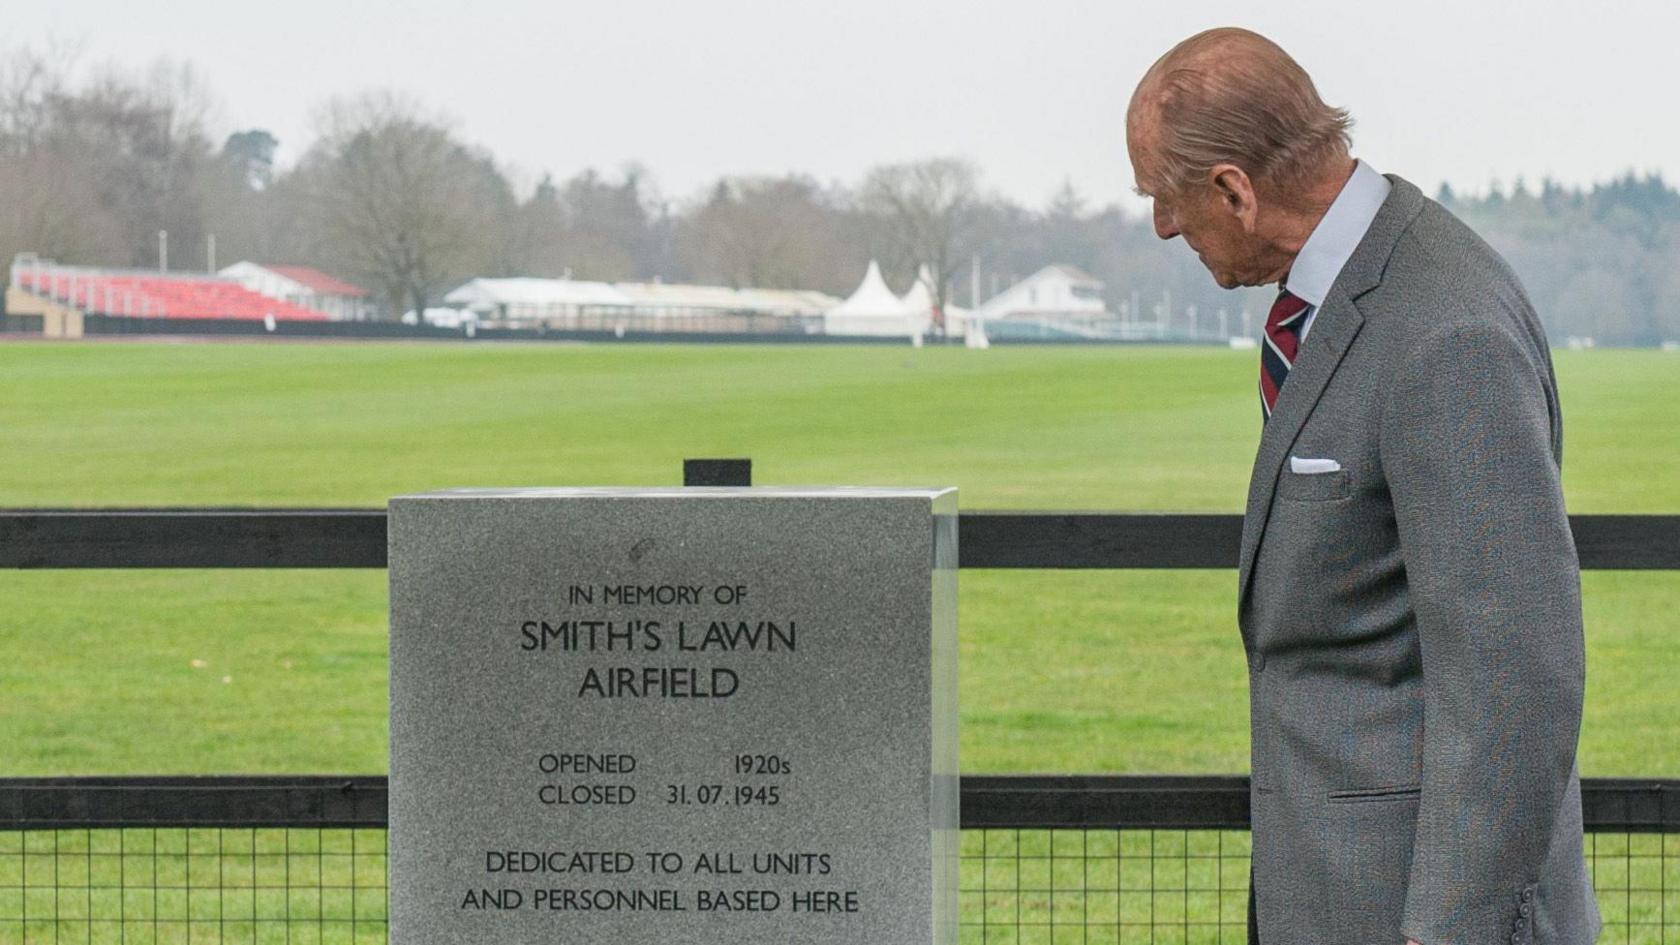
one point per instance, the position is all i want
(391, 196)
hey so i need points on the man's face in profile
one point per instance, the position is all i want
(1188, 215)
(1200, 212)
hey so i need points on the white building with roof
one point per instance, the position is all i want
(639, 306)
(305, 287)
(1055, 292)
(520, 299)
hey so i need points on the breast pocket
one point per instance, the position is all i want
(1313, 487)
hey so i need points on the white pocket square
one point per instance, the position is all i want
(1298, 464)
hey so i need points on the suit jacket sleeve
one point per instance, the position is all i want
(1466, 447)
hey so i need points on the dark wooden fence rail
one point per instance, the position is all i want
(1165, 802)
(355, 538)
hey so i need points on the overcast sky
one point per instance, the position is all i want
(1034, 92)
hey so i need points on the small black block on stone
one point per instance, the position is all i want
(717, 472)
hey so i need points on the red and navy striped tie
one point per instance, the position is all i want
(1277, 355)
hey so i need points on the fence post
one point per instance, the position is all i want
(717, 472)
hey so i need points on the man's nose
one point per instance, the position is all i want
(1165, 227)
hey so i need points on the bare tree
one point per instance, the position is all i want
(31, 81)
(535, 237)
(47, 208)
(927, 209)
(608, 231)
(774, 232)
(91, 173)
(405, 204)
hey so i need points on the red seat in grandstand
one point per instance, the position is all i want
(158, 296)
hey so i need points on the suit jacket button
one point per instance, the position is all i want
(1259, 661)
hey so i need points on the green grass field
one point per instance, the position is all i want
(284, 671)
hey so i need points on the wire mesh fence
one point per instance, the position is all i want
(327, 886)
(191, 885)
(1026, 887)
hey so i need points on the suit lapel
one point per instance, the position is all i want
(1333, 331)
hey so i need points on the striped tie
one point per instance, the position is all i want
(1277, 356)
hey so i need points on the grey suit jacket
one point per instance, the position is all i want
(1413, 620)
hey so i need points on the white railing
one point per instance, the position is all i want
(64, 285)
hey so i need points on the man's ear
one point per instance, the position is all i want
(1236, 193)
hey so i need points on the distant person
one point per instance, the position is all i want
(1409, 594)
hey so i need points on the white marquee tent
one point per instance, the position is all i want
(920, 301)
(873, 309)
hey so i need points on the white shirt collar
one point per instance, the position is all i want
(1333, 240)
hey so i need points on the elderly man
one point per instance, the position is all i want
(1409, 594)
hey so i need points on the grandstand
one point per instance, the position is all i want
(128, 293)
(306, 287)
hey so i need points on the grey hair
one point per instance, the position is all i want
(1257, 109)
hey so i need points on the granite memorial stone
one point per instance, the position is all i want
(643, 715)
